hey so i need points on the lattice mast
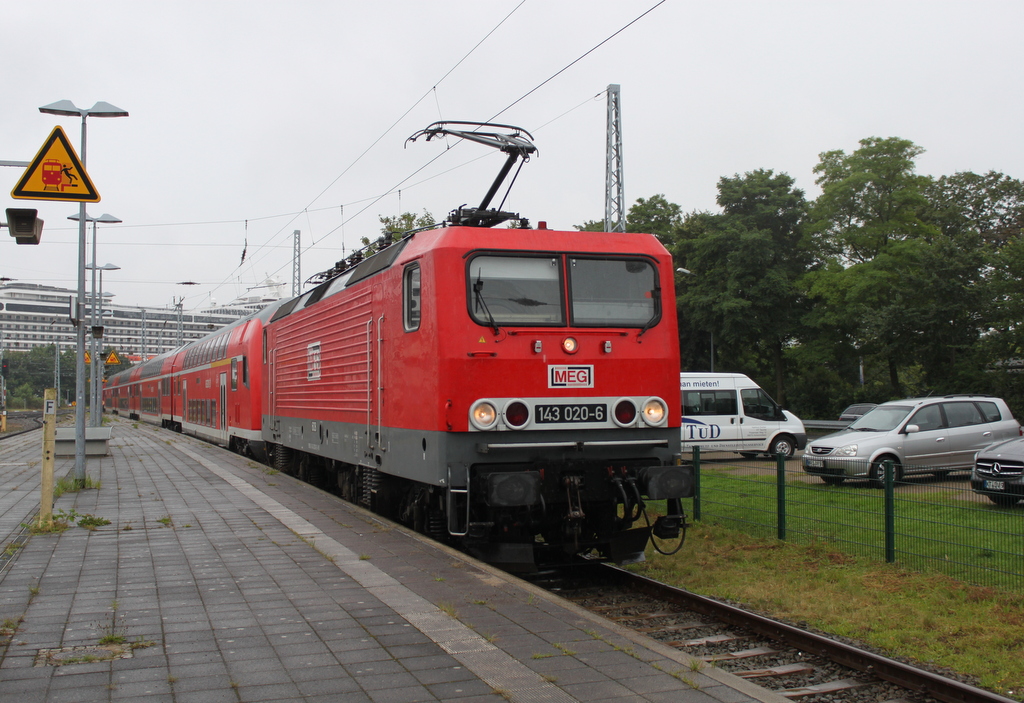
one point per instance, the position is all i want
(296, 263)
(614, 191)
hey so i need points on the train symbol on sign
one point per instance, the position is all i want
(53, 175)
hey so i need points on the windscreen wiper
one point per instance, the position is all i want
(478, 295)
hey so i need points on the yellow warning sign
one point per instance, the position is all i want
(112, 359)
(56, 174)
(88, 358)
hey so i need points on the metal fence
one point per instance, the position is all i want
(923, 522)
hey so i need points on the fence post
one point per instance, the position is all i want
(890, 512)
(696, 483)
(780, 495)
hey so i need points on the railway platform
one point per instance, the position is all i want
(218, 579)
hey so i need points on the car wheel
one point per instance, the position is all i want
(784, 445)
(877, 471)
(833, 480)
(1003, 500)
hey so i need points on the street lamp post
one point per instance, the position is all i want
(94, 415)
(68, 109)
(96, 394)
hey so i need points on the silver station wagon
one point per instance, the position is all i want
(918, 435)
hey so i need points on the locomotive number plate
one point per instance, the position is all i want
(575, 412)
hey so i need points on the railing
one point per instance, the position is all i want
(922, 522)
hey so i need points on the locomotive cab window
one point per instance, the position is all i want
(411, 297)
(613, 292)
(515, 290)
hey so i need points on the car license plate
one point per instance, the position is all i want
(574, 412)
(995, 485)
(815, 463)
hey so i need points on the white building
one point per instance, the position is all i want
(33, 315)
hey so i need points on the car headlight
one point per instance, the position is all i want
(848, 450)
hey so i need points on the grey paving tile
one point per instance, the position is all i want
(239, 608)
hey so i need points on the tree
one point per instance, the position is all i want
(656, 216)
(746, 265)
(398, 225)
(869, 198)
(870, 207)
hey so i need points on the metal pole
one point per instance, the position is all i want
(94, 419)
(80, 341)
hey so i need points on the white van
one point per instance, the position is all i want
(729, 412)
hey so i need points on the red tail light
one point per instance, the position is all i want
(517, 414)
(625, 412)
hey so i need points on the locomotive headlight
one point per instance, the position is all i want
(570, 345)
(655, 412)
(483, 415)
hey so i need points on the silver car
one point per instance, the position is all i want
(918, 435)
(999, 472)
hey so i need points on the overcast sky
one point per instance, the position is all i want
(249, 120)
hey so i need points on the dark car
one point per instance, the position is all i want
(855, 411)
(999, 472)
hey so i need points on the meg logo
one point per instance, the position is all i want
(570, 376)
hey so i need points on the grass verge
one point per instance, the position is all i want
(928, 617)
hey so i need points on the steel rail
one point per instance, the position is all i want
(905, 675)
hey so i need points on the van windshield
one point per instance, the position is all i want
(881, 419)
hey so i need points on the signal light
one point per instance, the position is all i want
(24, 226)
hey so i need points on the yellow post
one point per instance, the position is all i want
(49, 438)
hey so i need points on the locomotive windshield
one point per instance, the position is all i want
(612, 292)
(530, 291)
(516, 290)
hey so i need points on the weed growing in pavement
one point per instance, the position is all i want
(166, 520)
(563, 649)
(71, 485)
(91, 522)
(448, 609)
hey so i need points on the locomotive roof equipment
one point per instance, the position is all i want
(515, 145)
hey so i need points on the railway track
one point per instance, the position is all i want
(794, 663)
(22, 421)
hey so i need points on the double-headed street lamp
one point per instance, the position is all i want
(68, 109)
(94, 396)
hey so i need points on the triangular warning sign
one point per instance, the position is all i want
(112, 359)
(88, 358)
(56, 174)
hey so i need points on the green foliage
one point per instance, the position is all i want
(889, 284)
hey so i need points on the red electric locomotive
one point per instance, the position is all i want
(515, 389)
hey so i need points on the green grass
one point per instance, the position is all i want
(943, 529)
(921, 615)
